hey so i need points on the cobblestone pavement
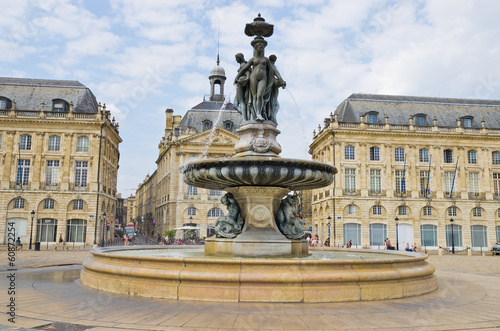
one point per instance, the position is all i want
(50, 297)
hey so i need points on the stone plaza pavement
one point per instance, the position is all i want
(50, 297)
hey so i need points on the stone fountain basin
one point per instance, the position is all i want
(335, 275)
(293, 174)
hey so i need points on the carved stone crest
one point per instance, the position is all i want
(260, 142)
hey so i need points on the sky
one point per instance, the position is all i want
(142, 57)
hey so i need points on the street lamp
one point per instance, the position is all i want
(31, 233)
(329, 239)
(397, 241)
(452, 238)
(103, 227)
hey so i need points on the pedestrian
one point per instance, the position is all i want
(61, 240)
(349, 244)
(19, 246)
(125, 239)
(407, 248)
(415, 248)
(166, 239)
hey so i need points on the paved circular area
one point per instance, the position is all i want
(467, 298)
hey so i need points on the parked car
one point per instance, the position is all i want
(496, 248)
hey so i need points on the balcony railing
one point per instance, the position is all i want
(376, 193)
(476, 195)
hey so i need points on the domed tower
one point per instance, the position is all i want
(217, 79)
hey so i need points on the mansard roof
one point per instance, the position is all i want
(30, 93)
(400, 108)
(209, 110)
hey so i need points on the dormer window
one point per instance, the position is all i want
(228, 125)
(420, 120)
(5, 103)
(59, 105)
(372, 118)
(207, 125)
(467, 122)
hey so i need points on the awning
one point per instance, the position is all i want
(188, 228)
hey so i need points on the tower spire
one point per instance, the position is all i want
(217, 77)
(218, 38)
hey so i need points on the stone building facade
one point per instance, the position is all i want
(208, 130)
(429, 167)
(59, 161)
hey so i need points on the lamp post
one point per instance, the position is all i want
(31, 232)
(329, 239)
(397, 240)
(452, 238)
(103, 227)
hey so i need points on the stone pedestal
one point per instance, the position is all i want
(257, 139)
(261, 236)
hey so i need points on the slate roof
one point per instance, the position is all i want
(209, 110)
(30, 93)
(400, 108)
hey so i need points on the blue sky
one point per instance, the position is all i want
(141, 57)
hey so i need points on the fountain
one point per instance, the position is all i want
(258, 254)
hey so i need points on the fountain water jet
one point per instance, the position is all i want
(258, 254)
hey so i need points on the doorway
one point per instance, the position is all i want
(405, 235)
(21, 228)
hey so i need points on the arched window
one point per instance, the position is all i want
(207, 125)
(77, 204)
(82, 144)
(402, 211)
(19, 203)
(476, 212)
(76, 230)
(452, 211)
(228, 125)
(191, 211)
(428, 234)
(457, 235)
(351, 210)
(48, 204)
(378, 233)
(5, 103)
(478, 236)
(352, 231)
(46, 230)
(377, 210)
(427, 211)
(215, 212)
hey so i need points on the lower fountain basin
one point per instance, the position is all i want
(294, 174)
(327, 275)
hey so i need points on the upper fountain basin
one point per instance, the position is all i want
(293, 174)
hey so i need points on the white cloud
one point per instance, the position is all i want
(146, 56)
